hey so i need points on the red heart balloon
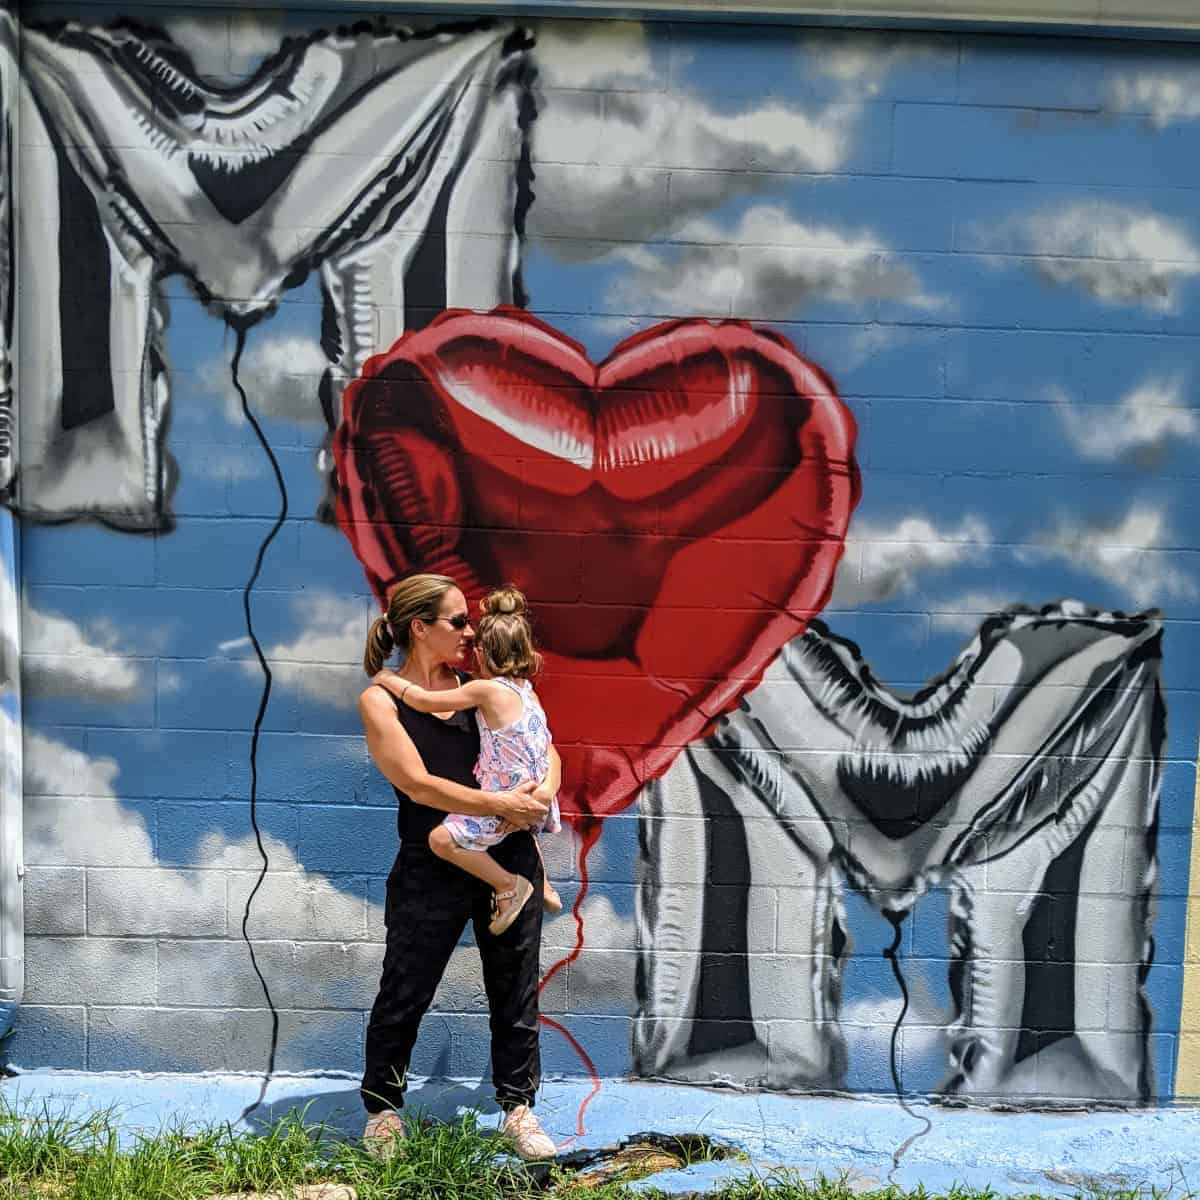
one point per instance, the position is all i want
(674, 514)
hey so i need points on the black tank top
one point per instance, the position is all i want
(448, 748)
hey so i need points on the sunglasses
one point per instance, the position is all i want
(458, 621)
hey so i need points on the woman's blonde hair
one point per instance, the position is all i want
(416, 598)
(504, 637)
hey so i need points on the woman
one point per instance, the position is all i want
(429, 760)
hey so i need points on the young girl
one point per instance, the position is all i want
(514, 741)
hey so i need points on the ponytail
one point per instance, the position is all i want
(379, 646)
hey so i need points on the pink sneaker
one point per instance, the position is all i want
(383, 1134)
(528, 1137)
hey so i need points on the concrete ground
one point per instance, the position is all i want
(1011, 1153)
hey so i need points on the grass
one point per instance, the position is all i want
(44, 1156)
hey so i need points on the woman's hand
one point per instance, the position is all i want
(520, 808)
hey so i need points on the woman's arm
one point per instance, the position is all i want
(395, 755)
(547, 789)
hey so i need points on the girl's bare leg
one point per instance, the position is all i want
(551, 900)
(511, 890)
(475, 862)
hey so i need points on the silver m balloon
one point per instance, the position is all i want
(387, 160)
(1024, 781)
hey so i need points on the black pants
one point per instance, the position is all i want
(427, 907)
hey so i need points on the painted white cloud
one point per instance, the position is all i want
(205, 39)
(1119, 254)
(10, 624)
(603, 977)
(71, 810)
(60, 658)
(867, 1026)
(1165, 96)
(637, 140)
(1126, 555)
(324, 659)
(617, 54)
(860, 60)
(73, 816)
(231, 463)
(605, 186)
(640, 124)
(253, 36)
(55, 769)
(963, 613)
(864, 342)
(882, 562)
(593, 54)
(281, 375)
(1143, 426)
(603, 927)
(225, 47)
(768, 264)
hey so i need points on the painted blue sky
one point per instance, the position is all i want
(997, 262)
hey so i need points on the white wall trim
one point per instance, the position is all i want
(1140, 18)
(1168, 16)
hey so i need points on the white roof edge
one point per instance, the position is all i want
(1142, 18)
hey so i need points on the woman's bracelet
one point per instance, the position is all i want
(404, 689)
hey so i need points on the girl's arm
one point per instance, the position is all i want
(473, 694)
(397, 757)
(548, 788)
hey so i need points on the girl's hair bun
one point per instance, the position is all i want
(503, 601)
(503, 638)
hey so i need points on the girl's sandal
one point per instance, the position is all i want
(551, 900)
(507, 905)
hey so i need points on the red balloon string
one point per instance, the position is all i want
(591, 1070)
(589, 829)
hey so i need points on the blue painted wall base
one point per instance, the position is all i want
(1012, 1153)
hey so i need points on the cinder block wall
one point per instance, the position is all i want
(871, 621)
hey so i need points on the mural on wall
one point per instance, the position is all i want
(143, 171)
(994, 782)
(11, 898)
(488, 447)
(677, 490)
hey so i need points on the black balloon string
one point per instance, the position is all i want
(264, 700)
(895, 919)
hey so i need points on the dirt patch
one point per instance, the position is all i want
(633, 1158)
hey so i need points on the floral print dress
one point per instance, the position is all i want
(508, 757)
